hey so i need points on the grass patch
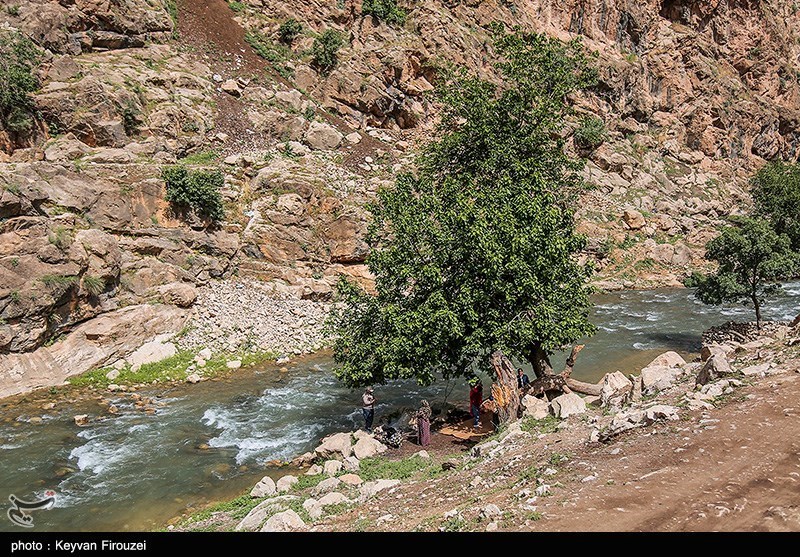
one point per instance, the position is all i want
(60, 237)
(201, 157)
(168, 369)
(454, 524)
(545, 425)
(558, 458)
(237, 508)
(54, 281)
(381, 468)
(94, 285)
(306, 482)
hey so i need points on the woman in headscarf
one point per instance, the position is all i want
(424, 424)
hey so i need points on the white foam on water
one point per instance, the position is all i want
(10, 447)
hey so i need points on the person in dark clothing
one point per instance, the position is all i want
(368, 407)
(475, 401)
(522, 379)
(424, 424)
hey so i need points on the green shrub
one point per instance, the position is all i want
(19, 56)
(289, 30)
(197, 190)
(325, 48)
(236, 6)
(591, 133)
(65, 281)
(93, 285)
(130, 118)
(384, 10)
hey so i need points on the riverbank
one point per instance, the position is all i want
(710, 445)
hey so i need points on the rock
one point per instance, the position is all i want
(257, 515)
(234, 364)
(286, 521)
(370, 489)
(285, 483)
(232, 88)
(332, 467)
(180, 294)
(535, 407)
(636, 394)
(616, 390)
(567, 404)
(313, 508)
(542, 490)
(351, 479)
(368, 447)
(661, 412)
(483, 449)
(314, 470)
(326, 485)
(491, 510)
(353, 138)
(194, 378)
(422, 454)
(716, 367)
(333, 498)
(337, 446)
(658, 378)
(589, 478)
(633, 218)
(38, 420)
(112, 375)
(205, 353)
(81, 419)
(200, 362)
(492, 526)
(476, 481)
(151, 352)
(264, 488)
(322, 136)
(709, 350)
(283, 360)
(668, 359)
(760, 369)
(351, 464)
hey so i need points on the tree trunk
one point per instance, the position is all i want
(758, 312)
(504, 388)
(539, 360)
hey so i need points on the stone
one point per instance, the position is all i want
(264, 488)
(491, 510)
(616, 390)
(668, 359)
(351, 479)
(234, 364)
(370, 489)
(492, 526)
(661, 412)
(194, 378)
(232, 88)
(257, 515)
(322, 136)
(112, 375)
(567, 405)
(305, 459)
(338, 445)
(709, 350)
(151, 352)
(326, 485)
(716, 367)
(542, 490)
(422, 454)
(353, 138)
(535, 407)
(368, 447)
(285, 483)
(314, 470)
(658, 378)
(760, 369)
(180, 294)
(286, 521)
(332, 467)
(81, 419)
(333, 498)
(351, 464)
(633, 219)
(313, 508)
(205, 353)
(483, 449)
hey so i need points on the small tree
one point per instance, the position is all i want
(19, 56)
(197, 190)
(384, 10)
(289, 30)
(776, 194)
(325, 49)
(477, 251)
(590, 133)
(751, 258)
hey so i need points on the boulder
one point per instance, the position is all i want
(616, 390)
(760, 369)
(264, 488)
(286, 521)
(490, 511)
(234, 364)
(716, 367)
(333, 498)
(658, 378)
(314, 470)
(326, 485)
(709, 350)
(257, 514)
(322, 136)
(180, 294)
(285, 483)
(332, 467)
(567, 404)
(370, 489)
(422, 454)
(205, 353)
(352, 464)
(336, 446)
(194, 378)
(660, 412)
(313, 508)
(112, 375)
(81, 419)
(633, 219)
(668, 359)
(232, 88)
(151, 352)
(351, 479)
(535, 407)
(367, 447)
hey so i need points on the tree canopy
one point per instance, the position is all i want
(751, 257)
(476, 250)
(776, 196)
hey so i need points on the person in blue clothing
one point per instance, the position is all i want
(522, 379)
(368, 407)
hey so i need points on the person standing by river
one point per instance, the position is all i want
(368, 407)
(424, 424)
(475, 400)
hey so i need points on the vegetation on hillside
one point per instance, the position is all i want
(195, 190)
(19, 57)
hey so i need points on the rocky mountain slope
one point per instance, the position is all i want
(694, 97)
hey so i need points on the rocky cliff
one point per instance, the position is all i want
(694, 96)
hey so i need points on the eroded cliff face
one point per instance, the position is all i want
(694, 96)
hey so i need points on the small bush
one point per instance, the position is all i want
(236, 6)
(66, 281)
(591, 133)
(289, 30)
(19, 56)
(93, 285)
(384, 10)
(197, 190)
(130, 118)
(325, 49)
(60, 238)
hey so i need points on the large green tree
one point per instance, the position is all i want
(776, 196)
(751, 257)
(476, 251)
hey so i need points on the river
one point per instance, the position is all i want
(135, 471)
